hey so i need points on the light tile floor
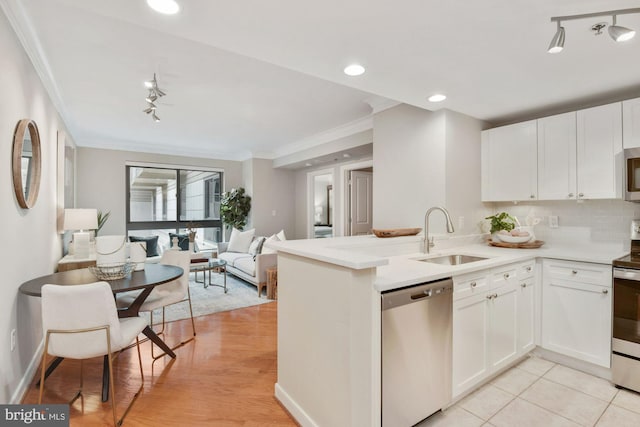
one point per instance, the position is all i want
(539, 393)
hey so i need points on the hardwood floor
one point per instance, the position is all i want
(225, 377)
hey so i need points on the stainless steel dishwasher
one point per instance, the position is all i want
(416, 352)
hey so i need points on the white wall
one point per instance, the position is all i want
(101, 179)
(31, 246)
(272, 191)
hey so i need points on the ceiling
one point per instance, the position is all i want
(257, 78)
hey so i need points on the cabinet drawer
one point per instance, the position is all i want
(595, 274)
(527, 270)
(469, 284)
(504, 275)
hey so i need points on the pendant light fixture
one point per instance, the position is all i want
(617, 33)
(154, 94)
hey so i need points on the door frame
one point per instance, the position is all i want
(310, 199)
(343, 193)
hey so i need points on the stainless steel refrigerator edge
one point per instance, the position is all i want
(416, 352)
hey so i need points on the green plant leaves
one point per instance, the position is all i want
(234, 208)
(501, 221)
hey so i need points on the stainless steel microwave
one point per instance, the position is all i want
(632, 174)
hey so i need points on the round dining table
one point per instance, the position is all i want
(143, 280)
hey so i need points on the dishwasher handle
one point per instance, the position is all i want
(416, 293)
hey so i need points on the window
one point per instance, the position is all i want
(168, 200)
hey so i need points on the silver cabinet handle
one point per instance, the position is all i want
(524, 285)
(489, 296)
(495, 295)
(580, 194)
(529, 269)
(574, 272)
(570, 194)
(533, 196)
(605, 291)
(473, 284)
(506, 275)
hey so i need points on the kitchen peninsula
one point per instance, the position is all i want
(329, 318)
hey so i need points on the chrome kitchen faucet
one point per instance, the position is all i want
(428, 242)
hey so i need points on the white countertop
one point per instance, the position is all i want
(397, 264)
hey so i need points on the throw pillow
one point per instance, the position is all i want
(265, 249)
(281, 236)
(183, 241)
(255, 248)
(240, 240)
(152, 244)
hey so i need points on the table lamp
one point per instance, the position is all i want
(81, 220)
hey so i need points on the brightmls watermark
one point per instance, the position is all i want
(34, 415)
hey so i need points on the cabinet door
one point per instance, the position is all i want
(631, 123)
(526, 315)
(557, 157)
(577, 318)
(509, 163)
(503, 326)
(469, 342)
(599, 144)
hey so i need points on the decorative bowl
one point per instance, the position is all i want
(508, 238)
(112, 271)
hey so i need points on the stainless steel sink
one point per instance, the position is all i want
(453, 259)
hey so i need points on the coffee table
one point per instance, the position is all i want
(212, 264)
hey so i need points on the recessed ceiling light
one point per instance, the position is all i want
(308, 164)
(438, 97)
(354, 70)
(168, 7)
(346, 155)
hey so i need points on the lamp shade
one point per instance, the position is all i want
(80, 219)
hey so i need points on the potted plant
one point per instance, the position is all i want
(102, 218)
(499, 222)
(234, 208)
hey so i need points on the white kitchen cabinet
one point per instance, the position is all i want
(486, 323)
(526, 315)
(557, 157)
(509, 163)
(599, 147)
(631, 123)
(576, 317)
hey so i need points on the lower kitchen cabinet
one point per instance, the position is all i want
(489, 311)
(576, 318)
(526, 315)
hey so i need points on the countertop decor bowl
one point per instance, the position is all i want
(508, 238)
(112, 271)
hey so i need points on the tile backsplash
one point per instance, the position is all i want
(598, 221)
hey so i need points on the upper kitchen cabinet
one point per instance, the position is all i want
(631, 123)
(557, 157)
(509, 163)
(599, 144)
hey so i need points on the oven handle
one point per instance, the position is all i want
(623, 273)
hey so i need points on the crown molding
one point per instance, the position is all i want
(23, 28)
(380, 103)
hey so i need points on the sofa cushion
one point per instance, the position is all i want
(151, 241)
(231, 257)
(255, 248)
(240, 240)
(246, 265)
(183, 240)
(281, 236)
(267, 250)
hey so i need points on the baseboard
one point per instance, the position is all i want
(570, 362)
(24, 383)
(294, 409)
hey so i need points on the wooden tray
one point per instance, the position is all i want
(526, 245)
(396, 232)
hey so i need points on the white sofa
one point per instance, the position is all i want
(244, 266)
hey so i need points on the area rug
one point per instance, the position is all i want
(213, 299)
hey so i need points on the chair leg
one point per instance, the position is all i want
(44, 361)
(193, 323)
(135, 396)
(193, 326)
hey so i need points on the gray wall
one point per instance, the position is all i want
(101, 179)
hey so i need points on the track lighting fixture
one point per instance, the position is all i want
(617, 33)
(154, 94)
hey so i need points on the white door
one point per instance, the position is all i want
(599, 136)
(360, 203)
(509, 163)
(470, 328)
(526, 315)
(503, 309)
(557, 157)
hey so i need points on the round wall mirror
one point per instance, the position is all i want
(26, 163)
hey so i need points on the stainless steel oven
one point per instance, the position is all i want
(625, 358)
(632, 174)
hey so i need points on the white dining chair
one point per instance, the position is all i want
(166, 294)
(81, 322)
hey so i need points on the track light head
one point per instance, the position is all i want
(620, 34)
(152, 97)
(155, 118)
(557, 42)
